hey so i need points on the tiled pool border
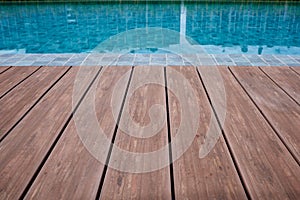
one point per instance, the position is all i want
(106, 59)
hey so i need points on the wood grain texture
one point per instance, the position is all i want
(267, 167)
(281, 111)
(27, 145)
(15, 105)
(296, 69)
(287, 79)
(211, 177)
(71, 172)
(13, 76)
(155, 184)
(3, 69)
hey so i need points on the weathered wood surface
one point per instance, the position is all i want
(71, 172)
(15, 105)
(47, 156)
(134, 184)
(211, 177)
(296, 69)
(14, 76)
(266, 165)
(280, 110)
(287, 79)
(3, 69)
(28, 143)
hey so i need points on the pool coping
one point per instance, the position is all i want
(108, 59)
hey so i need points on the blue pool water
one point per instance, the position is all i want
(249, 28)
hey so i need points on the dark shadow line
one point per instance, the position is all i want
(294, 71)
(169, 137)
(5, 70)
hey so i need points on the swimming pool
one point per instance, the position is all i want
(212, 28)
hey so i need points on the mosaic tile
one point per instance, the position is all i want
(191, 60)
(223, 60)
(125, 60)
(203, 56)
(255, 60)
(243, 63)
(27, 61)
(92, 60)
(76, 60)
(40, 63)
(140, 63)
(174, 60)
(159, 59)
(207, 62)
(174, 56)
(6, 55)
(109, 60)
(295, 59)
(13, 60)
(48, 57)
(142, 56)
(141, 59)
(98, 59)
(125, 63)
(240, 60)
(206, 59)
(271, 60)
(60, 60)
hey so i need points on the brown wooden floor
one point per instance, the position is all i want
(256, 157)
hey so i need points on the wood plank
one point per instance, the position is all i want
(13, 76)
(3, 69)
(71, 172)
(296, 69)
(27, 145)
(287, 79)
(267, 167)
(15, 105)
(127, 178)
(213, 176)
(279, 109)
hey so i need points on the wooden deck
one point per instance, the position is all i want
(256, 155)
